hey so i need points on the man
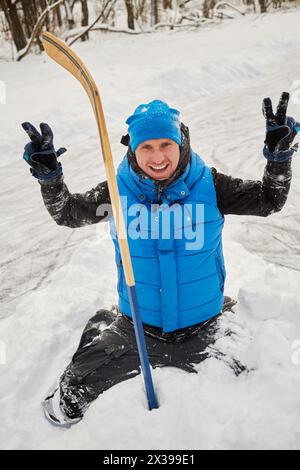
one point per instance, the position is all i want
(180, 284)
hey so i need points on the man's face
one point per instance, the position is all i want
(158, 158)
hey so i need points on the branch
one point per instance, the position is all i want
(88, 28)
(111, 29)
(78, 32)
(269, 4)
(73, 4)
(196, 23)
(183, 3)
(221, 15)
(38, 25)
(227, 4)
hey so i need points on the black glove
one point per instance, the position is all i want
(281, 130)
(40, 153)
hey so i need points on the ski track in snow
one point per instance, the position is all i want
(53, 278)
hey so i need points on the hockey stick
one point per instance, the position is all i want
(64, 56)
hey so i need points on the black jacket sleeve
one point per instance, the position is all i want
(247, 197)
(234, 196)
(76, 210)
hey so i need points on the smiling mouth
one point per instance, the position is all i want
(158, 168)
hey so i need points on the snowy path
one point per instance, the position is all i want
(53, 278)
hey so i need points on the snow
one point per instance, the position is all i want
(54, 278)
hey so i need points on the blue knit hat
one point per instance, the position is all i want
(155, 120)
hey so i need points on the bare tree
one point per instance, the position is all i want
(69, 14)
(167, 4)
(37, 28)
(85, 18)
(58, 16)
(208, 6)
(263, 5)
(104, 14)
(130, 13)
(140, 12)
(29, 16)
(155, 11)
(11, 15)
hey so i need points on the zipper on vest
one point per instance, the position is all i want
(159, 193)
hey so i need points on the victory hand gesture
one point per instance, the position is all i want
(280, 130)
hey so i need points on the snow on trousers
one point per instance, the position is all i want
(106, 358)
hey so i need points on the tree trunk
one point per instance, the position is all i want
(43, 5)
(14, 22)
(58, 16)
(167, 4)
(208, 5)
(130, 14)
(85, 18)
(30, 15)
(32, 10)
(263, 6)
(156, 11)
(69, 15)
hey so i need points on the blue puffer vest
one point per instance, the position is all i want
(176, 247)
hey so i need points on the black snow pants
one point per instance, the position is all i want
(107, 354)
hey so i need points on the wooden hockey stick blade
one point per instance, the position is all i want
(64, 56)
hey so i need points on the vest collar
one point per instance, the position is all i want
(149, 190)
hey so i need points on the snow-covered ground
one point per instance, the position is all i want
(54, 278)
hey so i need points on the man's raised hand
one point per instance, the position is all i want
(40, 154)
(280, 130)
